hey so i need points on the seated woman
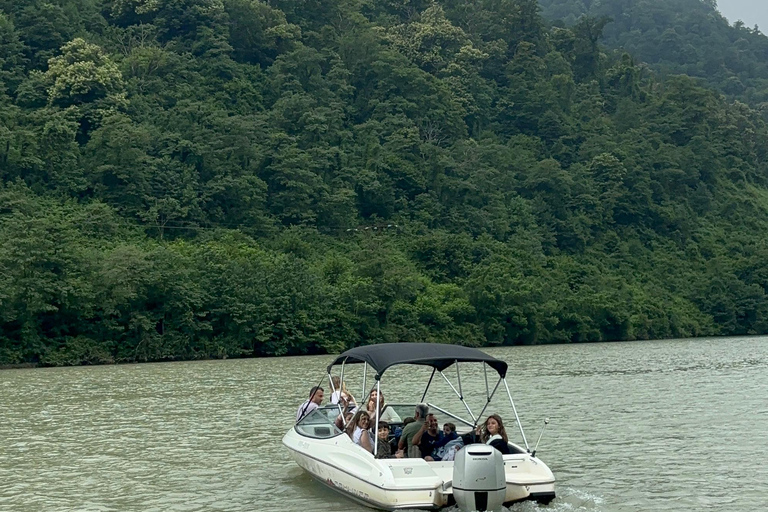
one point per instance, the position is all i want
(343, 421)
(385, 414)
(494, 434)
(491, 432)
(359, 430)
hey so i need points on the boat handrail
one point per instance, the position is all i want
(462, 420)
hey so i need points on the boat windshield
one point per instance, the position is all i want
(320, 423)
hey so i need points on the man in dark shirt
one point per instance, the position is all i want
(428, 437)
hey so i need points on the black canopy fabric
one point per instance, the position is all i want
(382, 356)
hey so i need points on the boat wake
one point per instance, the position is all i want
(567, 500)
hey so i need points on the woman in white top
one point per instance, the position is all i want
(361, 433)
(341, 394)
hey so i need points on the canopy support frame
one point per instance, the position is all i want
(460, 397)
(376, 425)
(517, 418)
(428, 384)
(490, 397)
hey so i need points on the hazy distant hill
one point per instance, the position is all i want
(681, 37)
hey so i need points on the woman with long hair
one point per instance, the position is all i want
(343, 422)
(340, 393)
(359, 430)
(494, 434)
(370, 404)
(385, 413)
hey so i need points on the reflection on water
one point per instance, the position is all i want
(667, 426)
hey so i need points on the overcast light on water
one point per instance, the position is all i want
(642, 426)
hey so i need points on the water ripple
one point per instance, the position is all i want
(668, 426)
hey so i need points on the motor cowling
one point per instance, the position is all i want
(478, 478)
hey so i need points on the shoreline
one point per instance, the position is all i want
(25, 366)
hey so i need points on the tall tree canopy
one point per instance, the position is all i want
(228, 178)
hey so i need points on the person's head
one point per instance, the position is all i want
(383, 430)
(370, 406)
(494, 425)
(316, 395)
(361, 419)
(449, 428)
(408, 420)
(421, 411)
(372, 396)
(336, 381)
(431, 421)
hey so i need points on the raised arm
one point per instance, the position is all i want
(417, 437)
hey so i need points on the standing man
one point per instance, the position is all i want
(406, 446)
(315, 399)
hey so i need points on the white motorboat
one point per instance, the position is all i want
(330, 456)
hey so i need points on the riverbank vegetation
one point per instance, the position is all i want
(190, 179)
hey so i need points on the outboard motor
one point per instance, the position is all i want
(478, 478)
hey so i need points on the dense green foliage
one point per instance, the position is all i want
(224, 178)
(687, 37)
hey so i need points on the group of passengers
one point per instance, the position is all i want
(343, 397)
(420, 436)
(360, 422)
(431, 441)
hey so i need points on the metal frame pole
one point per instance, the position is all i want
(428, 384)
(450, 414)
(376, 426)
(520, 425)
(333, 390)
(365, 369)
(460, 397)
(458, 378)
(488, 400)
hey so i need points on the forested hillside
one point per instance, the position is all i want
(687, 37)
(227, 178)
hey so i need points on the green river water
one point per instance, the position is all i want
(674, 425)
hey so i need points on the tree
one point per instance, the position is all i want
(85, 80)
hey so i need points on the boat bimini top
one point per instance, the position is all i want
(438, 356)
(382, 356)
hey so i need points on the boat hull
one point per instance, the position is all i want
(393, 484)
